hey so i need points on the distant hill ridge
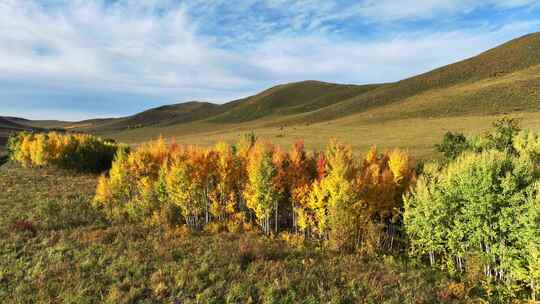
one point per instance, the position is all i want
(503, 79)
(12, 123)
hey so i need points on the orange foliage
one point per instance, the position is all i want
(231, 188)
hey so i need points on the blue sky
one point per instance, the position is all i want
(75, 59)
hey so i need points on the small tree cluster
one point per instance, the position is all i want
(171, 184)
(500, 137)
(479, 213)
(356, 204)
(329, 196)
(80, 152)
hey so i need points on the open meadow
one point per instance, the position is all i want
(54, 248)
(253, 223)
(416, 135)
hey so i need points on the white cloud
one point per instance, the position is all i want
(125, 46)
(391, 10)
(380, 60)
(161, 50)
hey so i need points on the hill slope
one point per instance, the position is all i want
(505, 79)
(511, 57)
(499, 89)
(289, 99)
(157, 117)
(9, 125)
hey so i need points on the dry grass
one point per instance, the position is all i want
(417, 135)
(48, 257)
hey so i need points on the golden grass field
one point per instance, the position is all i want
(417, 135)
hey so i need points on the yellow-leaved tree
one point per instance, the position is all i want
(261, 192)
(381, 182)
(302, 172)
(334, 198)
(114, 192)
(225, 207)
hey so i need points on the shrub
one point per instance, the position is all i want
(452, 145)
(79, 152)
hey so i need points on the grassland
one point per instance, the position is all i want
(55, 249)
(410, 114)
(417, 135)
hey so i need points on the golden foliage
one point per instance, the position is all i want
(81, 152)
(331, 196)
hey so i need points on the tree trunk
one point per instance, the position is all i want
(276, 223)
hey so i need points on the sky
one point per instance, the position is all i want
(78, 59)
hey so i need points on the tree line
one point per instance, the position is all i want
(81, 152)
(352, 202)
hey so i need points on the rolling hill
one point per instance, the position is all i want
(9, 125)
(503, 80)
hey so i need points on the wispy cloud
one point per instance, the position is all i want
(83, 58)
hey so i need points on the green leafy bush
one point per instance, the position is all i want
(452, 145)
(502, 135)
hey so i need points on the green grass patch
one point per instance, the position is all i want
(54, 250)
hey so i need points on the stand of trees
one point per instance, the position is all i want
(474, 214)
(477, 214)
(81, 152)
(353, 203)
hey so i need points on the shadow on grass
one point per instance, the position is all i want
(3, 159)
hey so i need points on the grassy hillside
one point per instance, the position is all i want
(162, 116)
(7, 126)
(504, 80)
(288, 99)
(514, 56)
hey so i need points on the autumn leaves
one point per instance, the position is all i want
(331, 196)
(80, 152)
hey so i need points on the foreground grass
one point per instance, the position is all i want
(55, 249)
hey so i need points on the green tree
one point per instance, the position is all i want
(502, 135)
(261, 192)
(452, 145)
(479, 205)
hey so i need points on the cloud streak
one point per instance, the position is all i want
(77, 59)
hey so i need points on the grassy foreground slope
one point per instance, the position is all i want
(55, 249)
